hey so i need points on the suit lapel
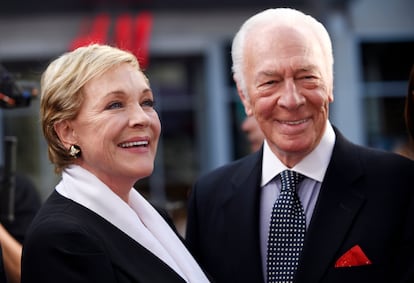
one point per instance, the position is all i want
(242, 211)
(337, 206)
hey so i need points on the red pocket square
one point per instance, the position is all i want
(354, 257)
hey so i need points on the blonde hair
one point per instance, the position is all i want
(280, 17)
(61, 90)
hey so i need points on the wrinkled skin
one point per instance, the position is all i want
(287, 88)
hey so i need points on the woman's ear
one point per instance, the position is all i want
(65, 132)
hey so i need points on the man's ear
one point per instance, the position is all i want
(65, 133)
(244, 99)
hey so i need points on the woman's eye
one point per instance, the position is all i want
(114, 105)
(148, 103)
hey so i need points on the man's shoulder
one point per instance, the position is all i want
(372, 159)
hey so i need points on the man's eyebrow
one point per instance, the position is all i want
(310, 67)
(267, 73)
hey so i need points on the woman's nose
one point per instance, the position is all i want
(138, 117)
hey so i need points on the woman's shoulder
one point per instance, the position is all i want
(59, 215)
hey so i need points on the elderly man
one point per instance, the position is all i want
(310, 206)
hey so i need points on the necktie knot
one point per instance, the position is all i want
(290, 179)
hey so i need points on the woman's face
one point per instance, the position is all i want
(117, 127)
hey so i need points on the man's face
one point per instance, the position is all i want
(289, 93)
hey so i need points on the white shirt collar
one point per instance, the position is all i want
(138, 219)
(313, 166)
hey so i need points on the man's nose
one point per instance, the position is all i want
(290, 97)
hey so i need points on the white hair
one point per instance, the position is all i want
(280, 17)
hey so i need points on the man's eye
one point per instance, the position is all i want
(268, 83)
(148, 103)
(308, 78)
(114, 105)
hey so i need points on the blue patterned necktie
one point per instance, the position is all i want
(286, 232)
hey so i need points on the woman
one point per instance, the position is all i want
(102, 132)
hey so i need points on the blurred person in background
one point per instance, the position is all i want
(253, 133)
(11, 253)
(26, 203)
(409, 116)
(98, 118)
(355, 205)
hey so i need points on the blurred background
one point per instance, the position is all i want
(185, 49)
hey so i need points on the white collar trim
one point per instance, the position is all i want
(314, 165)
(138, 219)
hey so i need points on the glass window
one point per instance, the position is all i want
(385, 69)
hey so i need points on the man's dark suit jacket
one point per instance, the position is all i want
(68, 243)
(366, 199)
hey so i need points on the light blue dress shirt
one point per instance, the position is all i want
(313, 167)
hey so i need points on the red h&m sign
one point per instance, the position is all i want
(130, 33)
